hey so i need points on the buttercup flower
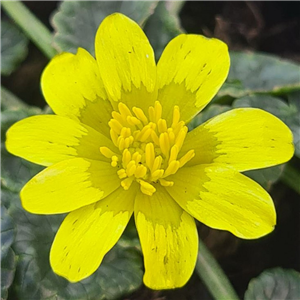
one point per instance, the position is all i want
(119, 145)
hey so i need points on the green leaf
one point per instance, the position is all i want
(13, 47)
(260, 73)
(288, 112)
(208, 113)
(163, 25)
(8, 258)
(274, 284)
(76, 22)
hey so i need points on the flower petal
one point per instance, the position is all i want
(244, 138)
(190, 71)
(222, 198)
(69, 185)
(88, 233)
(49, 139)
(126, 62)
(168, 238)
(72, 86)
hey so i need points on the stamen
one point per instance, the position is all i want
(148, 147)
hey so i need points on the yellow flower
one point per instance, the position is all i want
(118, 145)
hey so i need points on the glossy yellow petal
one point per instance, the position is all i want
(222, 198)
(48, 139)
(72, 86)
(126, 62)
(69, 185)
(190, 71)
(168, 238)
(88, 233)
(244, 138)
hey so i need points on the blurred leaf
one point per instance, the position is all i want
(163, 25)
(260, 73)
(13, 47)
(10, 101)
(267, 176)
(208, 113)
(291, 177)
(288, 112)
(274, 284)
(76, 22)
(8, 258)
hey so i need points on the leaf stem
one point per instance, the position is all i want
(32, 27)
(213, 276)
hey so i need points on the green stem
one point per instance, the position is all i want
(291, 177)
(213, 276)
(32, 27)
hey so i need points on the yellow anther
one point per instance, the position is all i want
(151, 111)
(149, 155)
(124, 110)
(126, 158)
(180, 137)
(185, 158)
(146, 187)
(140, 171)
(125, 132)
(117, 117)
(172, 168)
(176, 116)
(164, 182)
(115, 126)
(155, 137)
(162, 125)
(174, 153)
(121, 143)
(126, 183)
(171, 136)
(133, 121)
(114, 137)
(107, 152)
(114, 161)
(122, 174)
(131, 168)
(157, 174)
(140, 115)
(158, 110)
(164, 143)
(136, 157)
(157, 163)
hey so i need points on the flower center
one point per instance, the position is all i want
(149, 149)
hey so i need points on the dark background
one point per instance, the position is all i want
(271, 27)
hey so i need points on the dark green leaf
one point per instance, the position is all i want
(274, 284)
(13, 47)
(76, 22)
(288, 112)
(260, 73)
(8, 258)
(163, 25)
(208, 113)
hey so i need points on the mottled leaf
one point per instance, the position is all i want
(163, 25)
(260, 73)
(274, 284)
(76, 22)
(13, 47)
(8, 258)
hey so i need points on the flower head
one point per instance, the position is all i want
(119, 145)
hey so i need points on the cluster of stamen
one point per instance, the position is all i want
(148, 147)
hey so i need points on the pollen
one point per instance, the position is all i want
(148, 147)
